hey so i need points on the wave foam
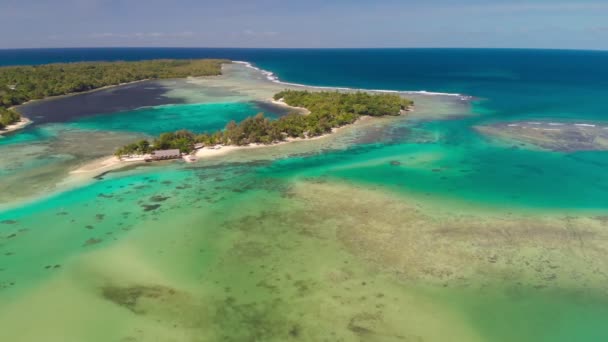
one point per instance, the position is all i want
(273, 78)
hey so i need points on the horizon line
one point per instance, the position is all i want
(305, 48)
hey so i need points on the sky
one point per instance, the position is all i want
(575, 24)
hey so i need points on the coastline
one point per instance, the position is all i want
(110, 163)
(113, 163)
(281, 103)
(16, 126)
(26, 121)
(270, 76)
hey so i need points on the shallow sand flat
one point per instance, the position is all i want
(36, 168)
(16, 126)
(237, 83)
(463, 248)
(108, 164)
(223, 277)
(232, 256)
(241, 83)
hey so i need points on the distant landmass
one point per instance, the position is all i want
(19, 84)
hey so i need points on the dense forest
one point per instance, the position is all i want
(328, 110)
(19, 84)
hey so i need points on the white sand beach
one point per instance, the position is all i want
(282, 103)
(16, 126)
(107, 164)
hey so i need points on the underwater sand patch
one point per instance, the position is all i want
(162, 306)
(255, 321)
(250, 249)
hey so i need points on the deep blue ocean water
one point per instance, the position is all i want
(519, 83)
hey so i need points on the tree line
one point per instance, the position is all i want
(328, 110)
(19, 84)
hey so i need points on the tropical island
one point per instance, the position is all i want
(327, 110)
(20, 84)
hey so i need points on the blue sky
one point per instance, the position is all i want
(576, 24)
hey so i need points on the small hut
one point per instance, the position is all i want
(166, 154)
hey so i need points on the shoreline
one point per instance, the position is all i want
(107, 164)
(271, 76)
(23, 117)
(28, 121)
(21, 124)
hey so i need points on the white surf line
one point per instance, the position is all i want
(273, 78)
(557, 125)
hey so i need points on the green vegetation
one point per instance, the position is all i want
(328, 110)
(8, 117)
(19, 84)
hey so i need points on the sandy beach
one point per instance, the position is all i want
(16, 126)
(106, 164)
(282, 103)
(112, 163)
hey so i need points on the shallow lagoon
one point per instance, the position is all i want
(394, 229)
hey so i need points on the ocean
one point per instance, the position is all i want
(480, 217)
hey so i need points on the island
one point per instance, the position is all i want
(20, 84)
(325, 112)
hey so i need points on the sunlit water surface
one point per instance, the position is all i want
(413, 228)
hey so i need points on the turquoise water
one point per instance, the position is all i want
(152, 121)
(25, 136)
(208, 117)
(253, 211)
(38, 157)
(455, 162)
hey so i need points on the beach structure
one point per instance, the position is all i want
(165, 154)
